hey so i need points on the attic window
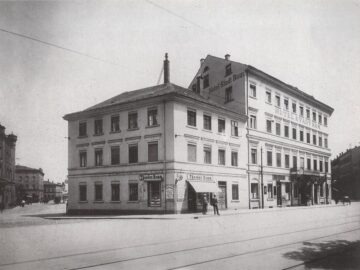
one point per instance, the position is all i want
(206, 69)
(193, 87)
(228, 70)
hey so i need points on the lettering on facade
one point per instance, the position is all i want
(226, 82)
(198, 177)
(293, 117)
(152, 177)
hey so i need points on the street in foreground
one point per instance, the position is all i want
(325, 237)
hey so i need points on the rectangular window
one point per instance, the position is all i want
(115, 155)
(308, 164)
(320, 119)
(98, 157)
(326, 143)
(301, 135)
(221, 157)
(286, 131)
(207, 122)
(152, 117)
(133, 153)
(294, 133)
(287, 187)
(314, 116)
(234, 128)
(326, 166)
(277, 98)
(295, 162)
(278, 159)
(294, 107)
(301, 111)
(308, 137)
(98, 192)
(154, 194)
(206, 82)
(253, 121)
(320, 141)
(234, 158)
(82, 192)
(320, 165)
(133, 192)
(302, 163)
(98, 127)
(325, 121)
(286, 104)
(191, 118)
(253, 156)
(314, 139)
(133, 120)
(254, 190)
(115, 123)
(228, 94)
(83, 158)
(228, 70)
(268, 96)
(307, 113)
(269, 158)
(115, 192)
(152, 151)
(207, 155)
(287, 161)
(321, 190)
(278, 129)
(315, 164)
(268, 126)
(82, 129)
(270, 191)
(235, 192)
(221, 125)
(253, 90)
(191, 152)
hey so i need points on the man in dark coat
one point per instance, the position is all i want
(215, 205)
(205, 204)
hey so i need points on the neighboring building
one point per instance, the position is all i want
(7, 169)
(29, 184)
(346, 174)
(287, 132)
(158, 149)
(53, 190)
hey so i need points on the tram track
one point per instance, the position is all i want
(188, 249)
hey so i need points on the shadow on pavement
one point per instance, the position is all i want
(337, 254)
(46, 215)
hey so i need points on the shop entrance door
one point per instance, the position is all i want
(191, 198)
(316, 189)
(278, 189)
(154, 191)
(222, 200)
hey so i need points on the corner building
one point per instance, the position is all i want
(156, 150)
(287, 132)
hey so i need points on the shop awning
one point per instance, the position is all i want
(204, 186)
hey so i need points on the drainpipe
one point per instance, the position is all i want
(164, 162)
(247, 135)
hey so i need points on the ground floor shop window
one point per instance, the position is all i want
(254, 190)
(133, 192)
(296, 190)
(287, 191)
(321, 190)
(235, 192)
(82, 192)
(98, 192)
(154, 194)
(115, 192)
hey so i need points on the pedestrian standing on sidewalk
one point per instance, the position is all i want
(205, 205)
(215, 205)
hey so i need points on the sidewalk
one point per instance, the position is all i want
(230, 212)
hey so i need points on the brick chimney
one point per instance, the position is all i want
(166, 69)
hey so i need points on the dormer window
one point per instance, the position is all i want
(206, 81)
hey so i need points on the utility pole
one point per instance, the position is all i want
(262, 180)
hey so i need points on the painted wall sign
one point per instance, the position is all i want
(169, 192)
(293, 117)
(198, 177)
(152, 177)
(226, 82)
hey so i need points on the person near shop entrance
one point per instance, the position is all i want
(215, 205)
(205, 205)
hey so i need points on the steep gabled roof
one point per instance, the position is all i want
(149, 92)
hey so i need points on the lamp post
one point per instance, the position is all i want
(261, 179)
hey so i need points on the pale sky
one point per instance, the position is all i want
(313, 45)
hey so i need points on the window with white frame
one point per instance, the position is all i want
(115, 123)
(221, 156)
(221, 125)
(191, 151)
(207, 154)
(268, 97)
(191, 118)
(286, 103)
(277, 100)
(234, 128)
(253, 156)
(269, 158)
(253, 90)
(98, 157)
(152, 117)
(278, 129)
(253, 121)
(207, 122)
(83, 158)
(294, 107)
(234, 158)
(278, 159)
(235, 192)
(269, 126)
